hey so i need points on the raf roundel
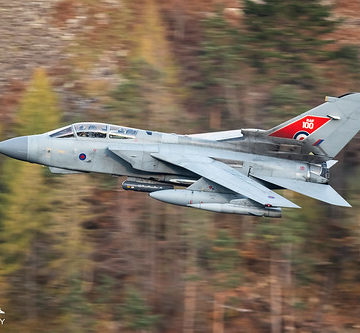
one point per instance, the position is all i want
(301, 135)
(82, 157)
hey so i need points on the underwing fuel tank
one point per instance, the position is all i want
(215, 202)
(130, 185)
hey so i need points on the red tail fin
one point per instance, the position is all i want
(301, 128)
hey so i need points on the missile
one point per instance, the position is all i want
(238, 209)
(215, 202)
(145, 186)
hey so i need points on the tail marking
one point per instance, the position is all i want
(301, 128)
(318, 142)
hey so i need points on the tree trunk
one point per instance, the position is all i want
(215, 119)
(290, 322)
(218, 314)
(275, 294)
(190, 293)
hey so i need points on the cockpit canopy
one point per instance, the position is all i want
(91, 130)
(94, 130)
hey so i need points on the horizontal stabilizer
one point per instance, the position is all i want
(330, 163)
(320, 192)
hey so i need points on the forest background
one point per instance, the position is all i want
(79, 254)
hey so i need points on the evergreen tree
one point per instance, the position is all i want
(221, 65)
(25, 209)
(135, 314)
(39, 110)
(223, 271)
(288, 43)
(286, 38)
(71, 261)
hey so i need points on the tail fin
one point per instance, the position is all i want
(325, 129)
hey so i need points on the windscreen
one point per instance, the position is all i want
(66, 132)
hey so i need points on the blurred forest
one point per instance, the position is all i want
(79, 254)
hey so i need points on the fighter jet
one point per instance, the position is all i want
(232, 171)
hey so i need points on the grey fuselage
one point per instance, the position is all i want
(132, 156)
(227, 171)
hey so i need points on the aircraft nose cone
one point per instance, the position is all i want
(16, 148)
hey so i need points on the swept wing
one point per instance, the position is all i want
(227, 177)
